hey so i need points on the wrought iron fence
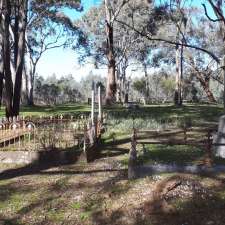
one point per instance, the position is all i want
(42, 133)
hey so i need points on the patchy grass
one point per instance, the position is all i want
(178, 154)
(165, 111)
(99, 193)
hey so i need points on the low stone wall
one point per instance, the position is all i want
(18, 157)
(149, 169)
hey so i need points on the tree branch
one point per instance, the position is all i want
(170, 42)
(217, 11)
(207, 15)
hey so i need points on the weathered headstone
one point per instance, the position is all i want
(219, 139)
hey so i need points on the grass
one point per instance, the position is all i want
(51, 110)
(176, 154)
(164, 112)
(69, 197)
(120, 121)
(99, 193)
(196, 112)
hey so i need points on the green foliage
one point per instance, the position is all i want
(168, 85)
(140, 85)
(76, 205)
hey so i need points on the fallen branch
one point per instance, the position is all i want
(172, 187)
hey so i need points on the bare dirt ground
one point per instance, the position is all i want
(99, 193)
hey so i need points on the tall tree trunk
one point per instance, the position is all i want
(7, 59)
(20, 58)
(1, 53)
(147, 95)
(30, 101)
(223, 67)
(204, 81)
(176, 94)
(179, 76)
(111, 77)
(32, 72)
(1, 80)
(118, 93)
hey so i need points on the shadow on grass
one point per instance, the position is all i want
(167, 154)
(54, 158)
(209, 113)
(196, 209)
(53, 110)
(45, 160)
(50, 205)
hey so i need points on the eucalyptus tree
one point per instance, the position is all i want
(42, 35)
(219, 17)
(14, 22)
(99, 26)
(126, 42)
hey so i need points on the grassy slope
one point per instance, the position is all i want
(69, 194)
(91, 195)
(51, 110)
(166, 111)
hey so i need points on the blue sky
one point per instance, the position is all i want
(64, 61)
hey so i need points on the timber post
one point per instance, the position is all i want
(209, 160)
(93, 103)
(132, 163)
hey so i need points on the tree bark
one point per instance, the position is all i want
(179, 76)
(204, 81)
(1, 53)
(111, 78)
(1, 81)
(20, 56)
(147, 95)
(7, 59)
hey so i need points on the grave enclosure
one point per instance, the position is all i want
(210, 139)
(62, 138)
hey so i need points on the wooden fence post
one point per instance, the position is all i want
(132, 163)
(93, 103)
(209, 160)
